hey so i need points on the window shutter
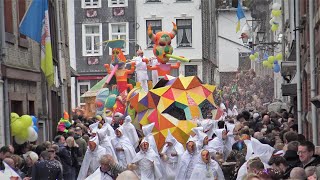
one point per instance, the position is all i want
(8, 16)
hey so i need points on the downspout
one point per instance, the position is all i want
(313, 75)
(60, 56)
(2, 54)
(297, 32)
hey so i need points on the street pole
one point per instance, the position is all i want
(297, 32)
(2, 47)
(60, 56)
(313, 75)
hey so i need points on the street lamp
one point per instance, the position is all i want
(260, 35)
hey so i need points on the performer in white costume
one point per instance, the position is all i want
(170, 155)
(91, 158)
(147, 132)
(141, 70)
(105, 141)
(206, 168)
(147, 163)
(124, 150)
(153, 62)
(187, 161)
(130, 131)
(110, 130)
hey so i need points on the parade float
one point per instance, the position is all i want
(174, 103)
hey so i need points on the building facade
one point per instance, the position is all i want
(96, 21)
(188, 41)
(24, 86)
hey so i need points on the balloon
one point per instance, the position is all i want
(276, 13)
(16, 127)
(265, 63)
(36, 128)
(34, 120)
(269, 65)
(274, 27)
(271, 59)
(279, 56)
(271, 22)
(33, 135)
(26, 121)
(256, 54)
(276, 6)
(252, 57)
(14, 117)
(23, 135)
(18, 140)
(276, 68)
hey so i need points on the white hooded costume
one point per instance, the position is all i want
(124, 157)
(200, 138)
(142, 72)
(171, 164)
(147, 132)
(153, 62)
(203, 171)
(230, 138)
(149, 165)
(91, 159)
(217, 144)
(105, 141)
(263, 151)
(130, 131)
(187, 162)
(99, 175)
(110, 130)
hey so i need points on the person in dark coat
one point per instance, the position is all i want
(306, 155)
(47, 168)
(291, 155)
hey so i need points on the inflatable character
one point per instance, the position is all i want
(117, 66)
(162, 49)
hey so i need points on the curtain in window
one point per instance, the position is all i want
(118, 28)
(184, 36)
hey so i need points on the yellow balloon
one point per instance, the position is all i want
(256, 54)
(252, 57)
(276, 13)
(26, 121)
(23, 135)
(16, 127)
(274, 27)
(279, 57)
(271, 59)
(269, 65)
(265, 63)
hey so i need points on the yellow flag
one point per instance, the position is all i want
(238, 26)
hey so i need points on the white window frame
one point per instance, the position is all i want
(118, 5)
(84, 51)
(84, 6)
(126, 52)
(78, 90)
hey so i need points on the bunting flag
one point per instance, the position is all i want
(35, 24)
(240, 15)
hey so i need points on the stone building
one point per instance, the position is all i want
(24, 86)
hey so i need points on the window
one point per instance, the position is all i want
(91, 4)
(184, 35)
(156, 27)
(82, 88)
(21, 6)
(17, 107)
(31, 108)
(120, 31)
(8, 16)
(153, 0)
(190, 70)
(117, 3)
(244, 61)
(91, 37)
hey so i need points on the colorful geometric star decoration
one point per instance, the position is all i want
(172, 104)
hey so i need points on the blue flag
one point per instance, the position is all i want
(240, 13)
(32, 22)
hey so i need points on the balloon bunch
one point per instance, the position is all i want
(64, 123)
(273, 62)
(275, 14)
(24, 128)
(254, 56)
